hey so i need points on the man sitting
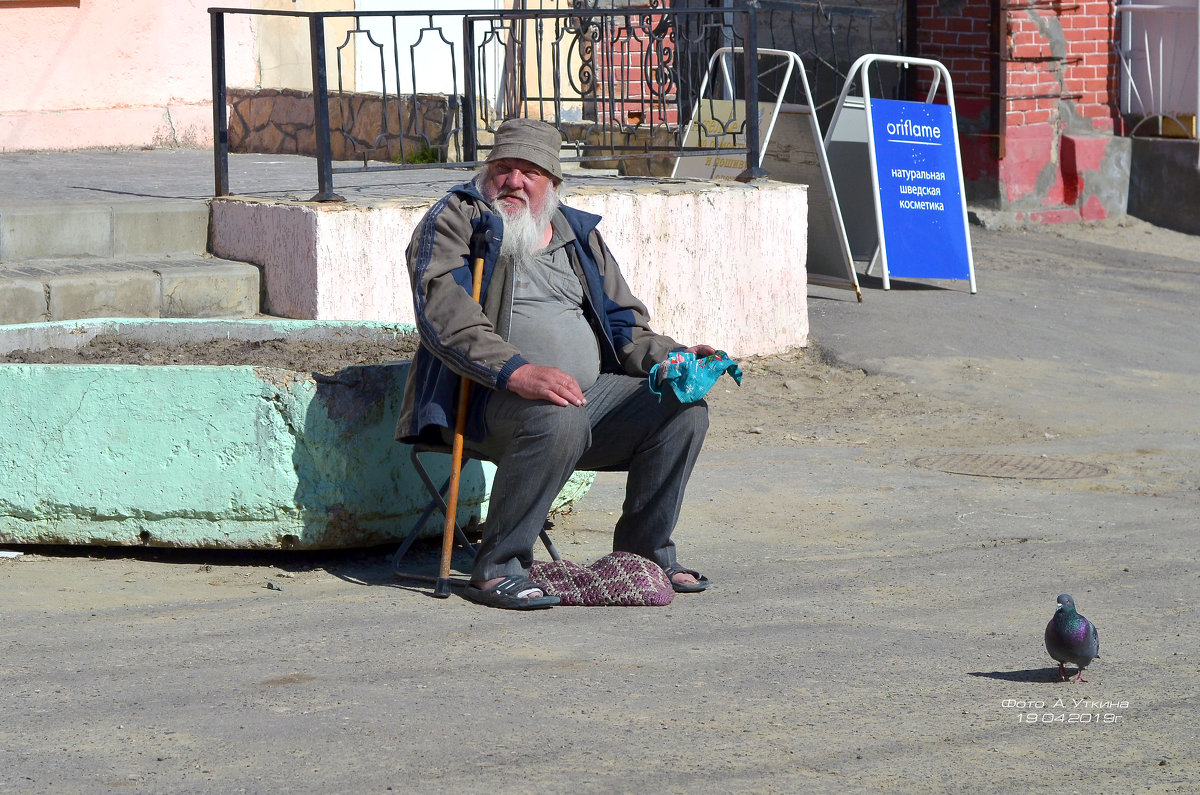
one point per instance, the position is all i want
(558, 350)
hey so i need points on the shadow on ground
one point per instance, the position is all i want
(1045, 675)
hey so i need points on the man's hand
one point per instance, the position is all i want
(701, 351)
(535, 382)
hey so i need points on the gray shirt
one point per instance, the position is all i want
(548, 325)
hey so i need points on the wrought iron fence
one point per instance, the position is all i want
(611, 80)
(830, 38)
(419, 89)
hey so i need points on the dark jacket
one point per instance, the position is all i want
(462, 338)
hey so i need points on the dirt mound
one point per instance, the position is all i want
(304, 356)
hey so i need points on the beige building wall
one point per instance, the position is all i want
(281, 48)
(128, 73)
(112, 73)
(540, 82)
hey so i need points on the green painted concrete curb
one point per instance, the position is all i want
(208, 456)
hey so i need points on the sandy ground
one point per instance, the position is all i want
(875, 624)
(327, 356)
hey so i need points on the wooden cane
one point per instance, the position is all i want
(442, 589)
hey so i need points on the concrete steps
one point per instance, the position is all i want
(76, 260)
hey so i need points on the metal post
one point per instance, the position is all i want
(220, 122)
(316, 35)
(470, 111)
(998, 80)
(753, 144)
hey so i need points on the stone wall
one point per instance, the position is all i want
(413, 129)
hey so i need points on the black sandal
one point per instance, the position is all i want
(701, 583)
(506, 595)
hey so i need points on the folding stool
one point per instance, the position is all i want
(437, 502)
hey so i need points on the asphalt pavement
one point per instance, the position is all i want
(116, 176)
(875, 623)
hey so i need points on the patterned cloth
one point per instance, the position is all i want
(691, 378)
(617, 579)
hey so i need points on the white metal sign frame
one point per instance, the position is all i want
(836, 268)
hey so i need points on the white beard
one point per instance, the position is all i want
(524, 226)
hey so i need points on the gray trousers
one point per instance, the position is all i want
(623, 427)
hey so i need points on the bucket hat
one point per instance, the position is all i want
(531, 140)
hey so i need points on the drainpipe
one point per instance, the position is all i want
(999, 92)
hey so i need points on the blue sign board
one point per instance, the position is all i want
(924, 227)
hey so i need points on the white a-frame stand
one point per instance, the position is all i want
(829, 261)
(903, 159)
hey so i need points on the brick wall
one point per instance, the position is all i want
(960, 39)
(1051, 53)
(628, 67)
(1055, 74)
(959, 36)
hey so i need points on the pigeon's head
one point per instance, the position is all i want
(1065, 603)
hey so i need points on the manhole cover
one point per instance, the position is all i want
(1008, 466)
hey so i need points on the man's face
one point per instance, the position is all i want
(517, 186)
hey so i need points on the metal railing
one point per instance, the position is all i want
(830, 38)
(620, 84)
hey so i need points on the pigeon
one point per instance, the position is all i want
(1071, 638)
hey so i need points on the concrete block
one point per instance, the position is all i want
(1096, 175)
(207, 456)
(1029, 177)
(1164, 183)
(160, 228)
(22, 301)
(209, 288)
(346, 261)
(281, 238)
(253, 458)
(746, 244)
(61, 230)
(109, 294)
